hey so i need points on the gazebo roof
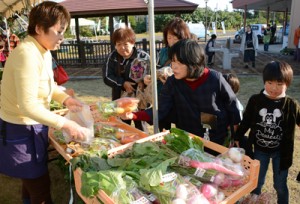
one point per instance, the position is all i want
(273, 5)
(90, 8)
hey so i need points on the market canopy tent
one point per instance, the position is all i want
(83, 22)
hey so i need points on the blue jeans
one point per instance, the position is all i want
(279, 176)
(266, 46)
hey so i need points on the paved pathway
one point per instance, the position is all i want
(261, 60)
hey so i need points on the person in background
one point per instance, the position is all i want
(249, 46)
(174, 31)
(125, 68)
(208, 49)
(234, 83)
(267, 37)
(296, 43)
(27, 88)
(273, 32)
(8, 42)
(272, 116)
(193, 90)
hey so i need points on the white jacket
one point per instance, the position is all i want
(254, 40)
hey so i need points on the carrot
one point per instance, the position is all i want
(212, 165)
(126, 140)
(119, 135)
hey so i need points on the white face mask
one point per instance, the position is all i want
(4, 32)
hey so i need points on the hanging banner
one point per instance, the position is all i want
(99, 25)
(213, 25)
(223, 27)
(106, 23)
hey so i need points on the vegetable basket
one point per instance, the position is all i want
(232, 195)
(61, 148)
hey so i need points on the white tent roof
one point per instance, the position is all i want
(83, 22)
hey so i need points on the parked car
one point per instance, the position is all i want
(257, 29)
(198, 29)
(238, 35)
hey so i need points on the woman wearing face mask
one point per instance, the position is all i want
(27, 88)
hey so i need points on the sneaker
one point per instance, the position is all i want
(246, 66)
(210, 63)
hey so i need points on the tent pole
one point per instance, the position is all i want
(153, 63)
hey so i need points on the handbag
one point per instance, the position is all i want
(60, 75)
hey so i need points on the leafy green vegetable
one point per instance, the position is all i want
(179, 141)
(88, 163)
(107, 109)
(55, 105)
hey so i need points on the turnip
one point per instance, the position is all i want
(235, 154)
(178, 201)
(220, 196)
(181, 192)
(197, 199)
(209, 190)
(219, 178)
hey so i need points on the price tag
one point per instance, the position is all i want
(169, 177)
(141, 200)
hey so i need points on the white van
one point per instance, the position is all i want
(259, 29)
(198, 29)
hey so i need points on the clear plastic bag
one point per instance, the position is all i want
(85, 119)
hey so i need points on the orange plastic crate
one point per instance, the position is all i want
(232, 195)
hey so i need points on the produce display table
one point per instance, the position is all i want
(232, 195)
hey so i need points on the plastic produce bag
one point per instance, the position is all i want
(85, 119)
(117, 107)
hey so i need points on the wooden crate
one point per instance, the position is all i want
(118, 124)
(232, 195)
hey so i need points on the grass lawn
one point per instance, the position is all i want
(90, 91)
